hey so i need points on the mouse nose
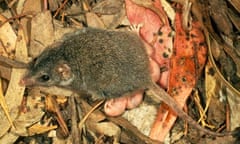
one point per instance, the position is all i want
(26, 82)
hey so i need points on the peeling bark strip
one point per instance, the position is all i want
(186, 63)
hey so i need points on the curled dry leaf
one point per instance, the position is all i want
(7, 37)
(93, 122)
(4, 105)
(110, 12)
(5, 72)
(39, 129)
(109, 129)
(53, 5)
(215, 98)
(42, 33)
(31, 117)
(218, 12)
(30, 6)
(53, 107)
(234, 18)
(94, 21)
(108, 7)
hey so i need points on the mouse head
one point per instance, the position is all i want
(49, 69)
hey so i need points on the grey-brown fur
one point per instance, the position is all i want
(105, 63)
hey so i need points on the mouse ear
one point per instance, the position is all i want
(64, 71)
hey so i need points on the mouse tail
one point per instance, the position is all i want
(160, 93)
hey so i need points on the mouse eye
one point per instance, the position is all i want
(44, 78)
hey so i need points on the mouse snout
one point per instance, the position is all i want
(26, 82)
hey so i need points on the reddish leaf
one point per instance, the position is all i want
(186, 63)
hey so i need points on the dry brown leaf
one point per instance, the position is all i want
(42, 33)
(108, 7)
(15, 92)
(4, 105)
(5, 72)
(89, 115)
(33, 115)
(9, 138)
(7, 38)
(53, 5)
(108, 19)
(39, 129)
(233, 95)
(111, 12)
(53, 107)
(30, 6)
(109, 129)
(219, 140)
(235, 4)
(219, 15)
(234, 18)
(14, 97)
(20, 6)
(215, 102)
(94, 21)
(112, 21)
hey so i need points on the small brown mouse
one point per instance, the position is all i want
(107, 64)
